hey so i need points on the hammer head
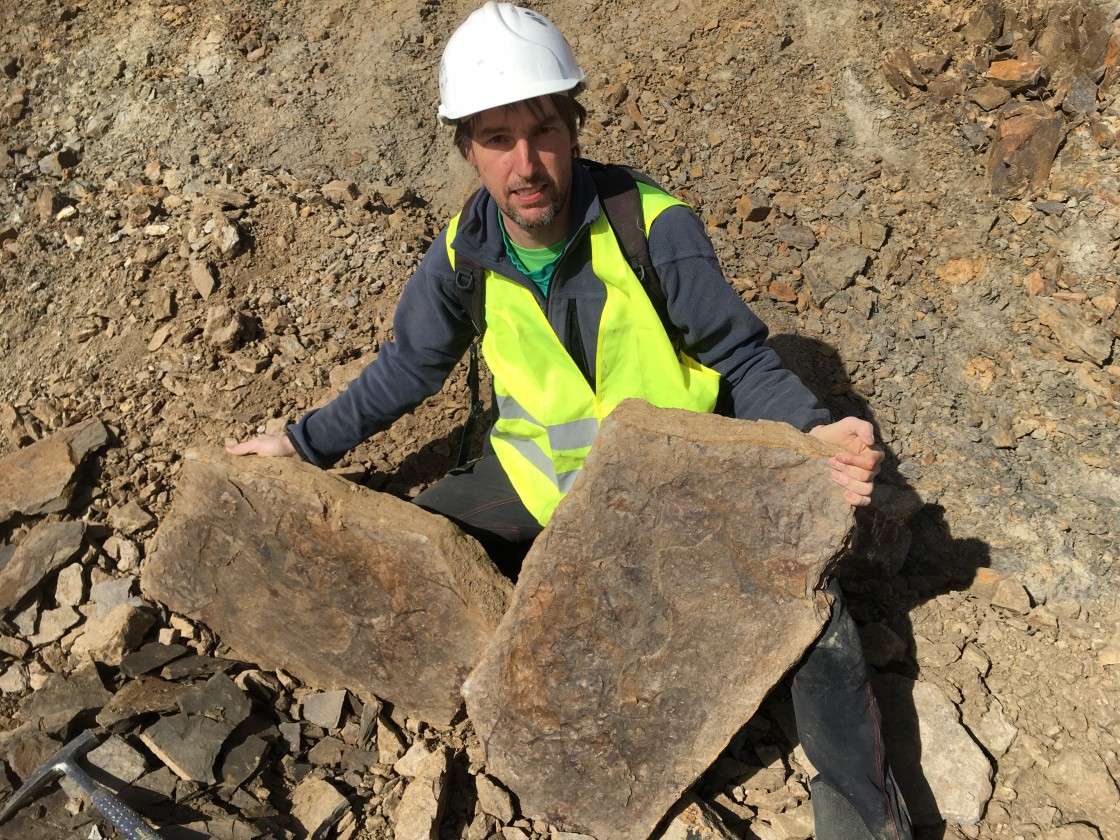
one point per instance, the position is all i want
(50, 770)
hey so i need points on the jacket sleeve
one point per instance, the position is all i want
(431, 334)
(720, 331)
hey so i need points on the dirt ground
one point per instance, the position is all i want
(209, 210)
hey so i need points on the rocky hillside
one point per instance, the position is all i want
(209, 210)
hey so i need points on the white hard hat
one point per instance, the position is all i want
(501, 54)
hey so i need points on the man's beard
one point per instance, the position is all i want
(546, 217)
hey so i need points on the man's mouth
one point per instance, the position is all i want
(529, 194)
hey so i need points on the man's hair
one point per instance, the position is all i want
(570, 110)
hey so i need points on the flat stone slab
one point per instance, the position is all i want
(47, 547)
(40, 478)
(188, 744)
(341, 586)
(673, 587)
(952, 782)
(139, 698)
(64, 697)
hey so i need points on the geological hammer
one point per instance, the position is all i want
(65, 762)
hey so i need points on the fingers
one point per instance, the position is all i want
(243, 448)
(270, 446)
(863, 466)
(857, 500)
(856, 473)
(856, 491)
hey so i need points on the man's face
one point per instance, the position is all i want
(524, 157)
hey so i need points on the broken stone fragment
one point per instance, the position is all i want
(902, 72)
(799, 236)
(118, 760)
(1015, 74)
(828, 272)
(989, 97)
(26, 748)
(952, 782)
(754, 207)
(339, 192)
(53, 625)
(188, 744)
(338, 585)
(1023, 151)
(1082, 780)
(224, 328)
(219, 698)
(242, 760)
(673, 587)
(422, 803)
(1077, 330)
(47, 204)
(994, 731)
(40, 478)
(111, 593)
(316, 807)
(409, 764)
(150, 657)
(391, 743)
(324, 708)
(1081, 99)
(494, 799)
(46, 548)
(225, 236)
(109, 637)
(140, 697)
(56, 163)
(226, 198)
(203, 279)
(196, 665)
(63, 697)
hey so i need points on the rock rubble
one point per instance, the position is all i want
(207, 218)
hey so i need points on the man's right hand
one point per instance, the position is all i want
(270, 446)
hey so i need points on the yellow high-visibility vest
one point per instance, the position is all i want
(548, 414)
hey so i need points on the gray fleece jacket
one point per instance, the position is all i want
(432, 331)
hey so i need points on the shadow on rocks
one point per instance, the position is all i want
(423, 467)
(902, 555)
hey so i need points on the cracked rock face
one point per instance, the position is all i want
(672, 589)
(343, 587)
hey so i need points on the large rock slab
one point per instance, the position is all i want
(343, 587)
(674, 586)
(40, 478)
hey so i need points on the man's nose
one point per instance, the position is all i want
(525, 157)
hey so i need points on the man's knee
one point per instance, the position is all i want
(835, 660)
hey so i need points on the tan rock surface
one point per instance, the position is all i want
(672, 589)
(345, 588)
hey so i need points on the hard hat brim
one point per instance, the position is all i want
(570, 86)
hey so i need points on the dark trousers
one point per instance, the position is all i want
(854, 795)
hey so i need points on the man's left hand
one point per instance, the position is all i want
(855, 468)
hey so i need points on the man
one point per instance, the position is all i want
(569, 333)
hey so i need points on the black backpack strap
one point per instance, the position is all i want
(470, 283)
(470, 279)
(618, 194)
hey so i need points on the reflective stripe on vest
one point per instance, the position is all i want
(548, 415)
